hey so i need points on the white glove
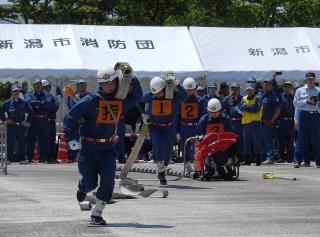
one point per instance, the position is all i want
(74, 145)
(146, 119)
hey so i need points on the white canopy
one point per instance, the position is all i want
(239, 53)
(78, 51)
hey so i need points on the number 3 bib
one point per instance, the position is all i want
(215, 128)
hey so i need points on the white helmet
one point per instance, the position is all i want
(189, 83)
(106, 74)
(214, 105)
(157, 84)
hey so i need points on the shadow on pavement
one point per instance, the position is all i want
(138, 225)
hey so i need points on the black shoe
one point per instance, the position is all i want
(50, 162)
(162, 178)
(81, 196)
(296, 166)
(97, 220)
(163, 181)
(70, 161)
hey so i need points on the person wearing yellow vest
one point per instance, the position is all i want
(213, 121)
(250, 107)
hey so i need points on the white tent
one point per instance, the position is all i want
(74, 50)
(240, 53)
(62, 53)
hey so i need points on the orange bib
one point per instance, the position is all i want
(218, 127)
(105, 115)
(161, 107)
(189, 111)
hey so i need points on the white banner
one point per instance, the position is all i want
(74, 50)
(257, 49)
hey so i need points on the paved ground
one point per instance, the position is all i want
(39, 200)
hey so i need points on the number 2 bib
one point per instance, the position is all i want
(189, 111)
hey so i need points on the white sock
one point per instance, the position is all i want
(98, 208)
(161, 167)
(188, 165)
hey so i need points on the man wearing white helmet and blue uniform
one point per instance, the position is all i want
(160, 113)
(191, 110)
(100, 114)
(214, 120)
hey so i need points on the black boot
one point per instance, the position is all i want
(162, 178)
(81, 196)
(258, 160)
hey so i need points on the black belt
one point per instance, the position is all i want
(236, 119)
(162, 124)
(98, 140)
(309, 112)
(41, 116)
(14, 124)
(287, 118)
(189, 124)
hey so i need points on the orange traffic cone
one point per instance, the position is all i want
(35, 153)
(62, 150)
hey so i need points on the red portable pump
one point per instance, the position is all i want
(215, 156)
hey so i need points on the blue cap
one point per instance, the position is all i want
(234, 84)
(212, 85)
(250, 86)
(80, 81)
(200, 88)
(251, 80)
(37, 80)
(267, 80)
(15, 87)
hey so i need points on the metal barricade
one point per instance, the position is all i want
(3, 149)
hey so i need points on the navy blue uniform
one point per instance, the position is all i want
(270, 102)
(15, 110)
(309, 119)
(209, 97)
(208, 124)
(72, 102)
(286, 127)
(54, 106)
(189, 114)
(230, 109)
(162, 129)
(40, 128)
(97, 154)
